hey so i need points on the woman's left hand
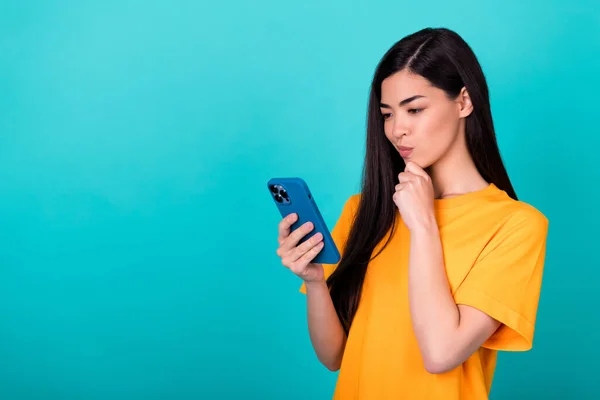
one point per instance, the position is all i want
(414, 197)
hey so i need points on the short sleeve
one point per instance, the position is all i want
(340, 232)
(506, 280)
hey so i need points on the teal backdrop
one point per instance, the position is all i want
(137, 252)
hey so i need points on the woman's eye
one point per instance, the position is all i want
(415, 110)
(386, 116)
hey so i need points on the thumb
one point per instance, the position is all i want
(413, 168)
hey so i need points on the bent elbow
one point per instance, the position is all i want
(332, 360)
(331, 365)
(438, 363)
(436, 368)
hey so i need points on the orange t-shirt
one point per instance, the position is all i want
(494, 249)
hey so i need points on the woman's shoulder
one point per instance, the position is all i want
(353, 201)
(350, 206)
(528, 217)
(520, 214)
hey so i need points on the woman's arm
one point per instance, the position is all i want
(326, 333)
(447, 334)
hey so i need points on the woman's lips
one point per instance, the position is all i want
(405, 151)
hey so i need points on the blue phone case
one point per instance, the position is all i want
(291, 195)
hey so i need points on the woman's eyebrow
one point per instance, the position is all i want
(403, 102)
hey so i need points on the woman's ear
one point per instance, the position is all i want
(464, 103)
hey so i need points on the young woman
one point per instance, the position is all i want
(441, 264)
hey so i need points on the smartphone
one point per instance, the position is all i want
(291, 195)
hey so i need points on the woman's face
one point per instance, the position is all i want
(420, 120)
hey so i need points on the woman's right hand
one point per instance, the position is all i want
(297, 258)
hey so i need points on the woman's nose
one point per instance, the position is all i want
(399, 128)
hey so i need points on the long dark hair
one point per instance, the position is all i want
(448, 63)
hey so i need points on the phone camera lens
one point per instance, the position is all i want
(283, 193)
(278, 198)
(274, 189)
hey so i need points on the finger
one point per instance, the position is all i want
(306, 246)
(415, 169)
(292, 240)
(296, 253)
(400, 186)
(307, 258)
(404, 177)
(285, 225)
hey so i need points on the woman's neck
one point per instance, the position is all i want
(455, 174)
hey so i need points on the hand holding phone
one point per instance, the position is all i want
(298, 258)
(304, 239)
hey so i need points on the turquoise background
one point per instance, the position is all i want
(137, 255)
